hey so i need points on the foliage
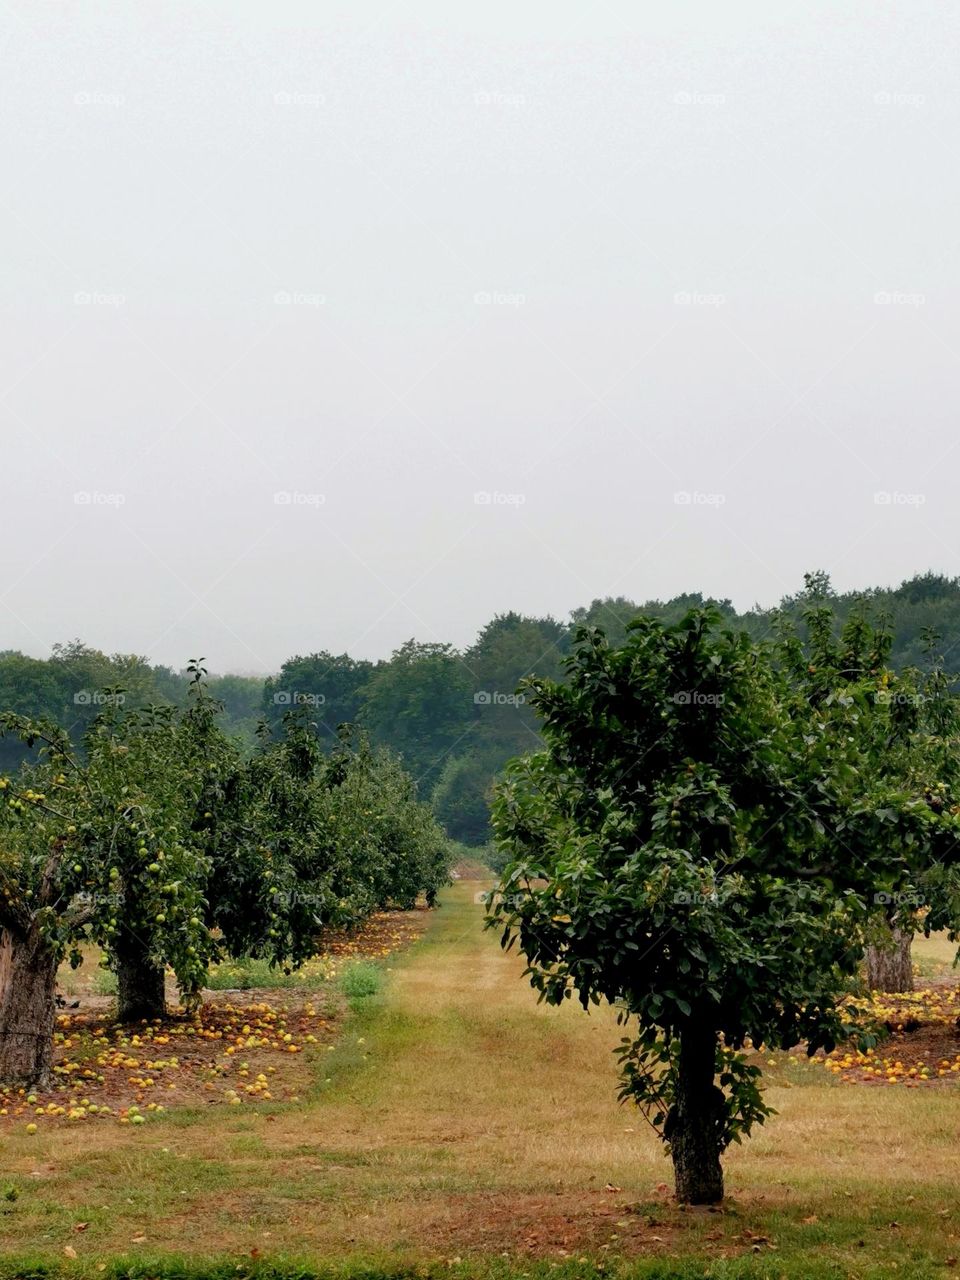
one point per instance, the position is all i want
(329, 685)
(300, 841)
(461, 798)
(67, 690)
(419, 704)
(906, 730)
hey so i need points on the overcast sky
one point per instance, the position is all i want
(325, 324)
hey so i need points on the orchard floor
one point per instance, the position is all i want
(458, 1127)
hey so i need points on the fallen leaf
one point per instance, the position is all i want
(809, 1221)
(69, 1250)
(611, 1187)
(80, 1226)
(137, 1239)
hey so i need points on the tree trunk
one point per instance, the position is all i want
(140, 982)
(695, 1122)
(889, 966)
(28, 1010)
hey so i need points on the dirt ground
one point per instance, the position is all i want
(240, 1046)
(920, 1042)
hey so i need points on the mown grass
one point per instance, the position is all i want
(167, 1268)
(458, 1128)
(174, 1268)
(933, 957)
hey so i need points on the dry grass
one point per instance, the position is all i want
(933, 957)
(458, 1117)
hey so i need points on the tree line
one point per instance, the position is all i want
(453, 715)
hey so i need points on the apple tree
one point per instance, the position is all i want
(95, 847)
(695, 847)
(906, 726)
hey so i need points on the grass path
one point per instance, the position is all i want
(459, 1118)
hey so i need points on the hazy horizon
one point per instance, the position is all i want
(325, 326)
(308, 647)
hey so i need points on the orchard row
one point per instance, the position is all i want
(163, 843)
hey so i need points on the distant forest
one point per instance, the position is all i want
(453, 715)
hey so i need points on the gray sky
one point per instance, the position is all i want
(288, 286)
